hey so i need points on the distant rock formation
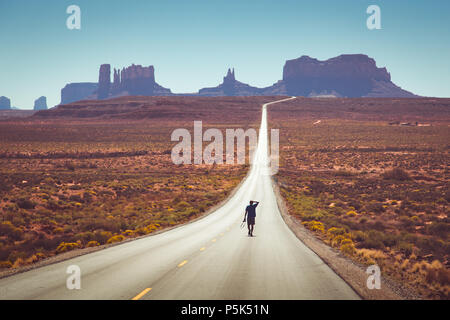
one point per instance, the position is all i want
(231, 87)
(104, 81)
(77, 91)
(134, 80)
(352, 75)
(349, 75)
(131, 81)
(5, 103)
(40, 103)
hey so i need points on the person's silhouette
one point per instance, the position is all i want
(250, 215)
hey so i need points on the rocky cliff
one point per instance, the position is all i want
(134, 80)
(77, 91)
(131, 81)
(230, 87)
(352, 75)
(40, 103)
(5, 103)
(104, 81)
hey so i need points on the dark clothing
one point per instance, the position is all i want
(251, 221)
(251, 210)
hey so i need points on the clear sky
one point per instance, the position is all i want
(191, 43)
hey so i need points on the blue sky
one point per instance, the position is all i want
(191, 43)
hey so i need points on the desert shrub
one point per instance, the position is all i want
(87, 197)
(92, 244)
(128, 233)
(405, 247)
(46, 243)
(76, 198)
(84, 236)
(313, 216)
(343, 173)
(69, 166)
(15, 255)
(358, 235)
(340, 240)
(396, 174)
(8, 229)
(11, 207)
(431, 245)
(363, 220)
(355, 204)
(102, 236)
(441, 229)
(44, 212)
(373, 240)
(369, 256)
(314, 225)
(18, 262)
(99, 224)
(316, 187)
(5, 264)
(5, 251)
(377, 225)
(25, 203)
(67, 246)
(337, 210)
(333, 231)
(351, 213)
(437, 273)
(58, 230)
(376, 207)
(116, 238)
(182, 205)
(406, 222)
(348, 248)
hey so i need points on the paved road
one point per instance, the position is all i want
(212, 258)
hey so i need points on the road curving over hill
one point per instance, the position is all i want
(210, 258)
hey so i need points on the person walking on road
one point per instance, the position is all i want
(250, 215)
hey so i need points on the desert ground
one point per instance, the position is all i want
(369, 181)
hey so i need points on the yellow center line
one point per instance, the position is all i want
(202, 249)
(143, 293)
(182, 263)
(214, 240)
